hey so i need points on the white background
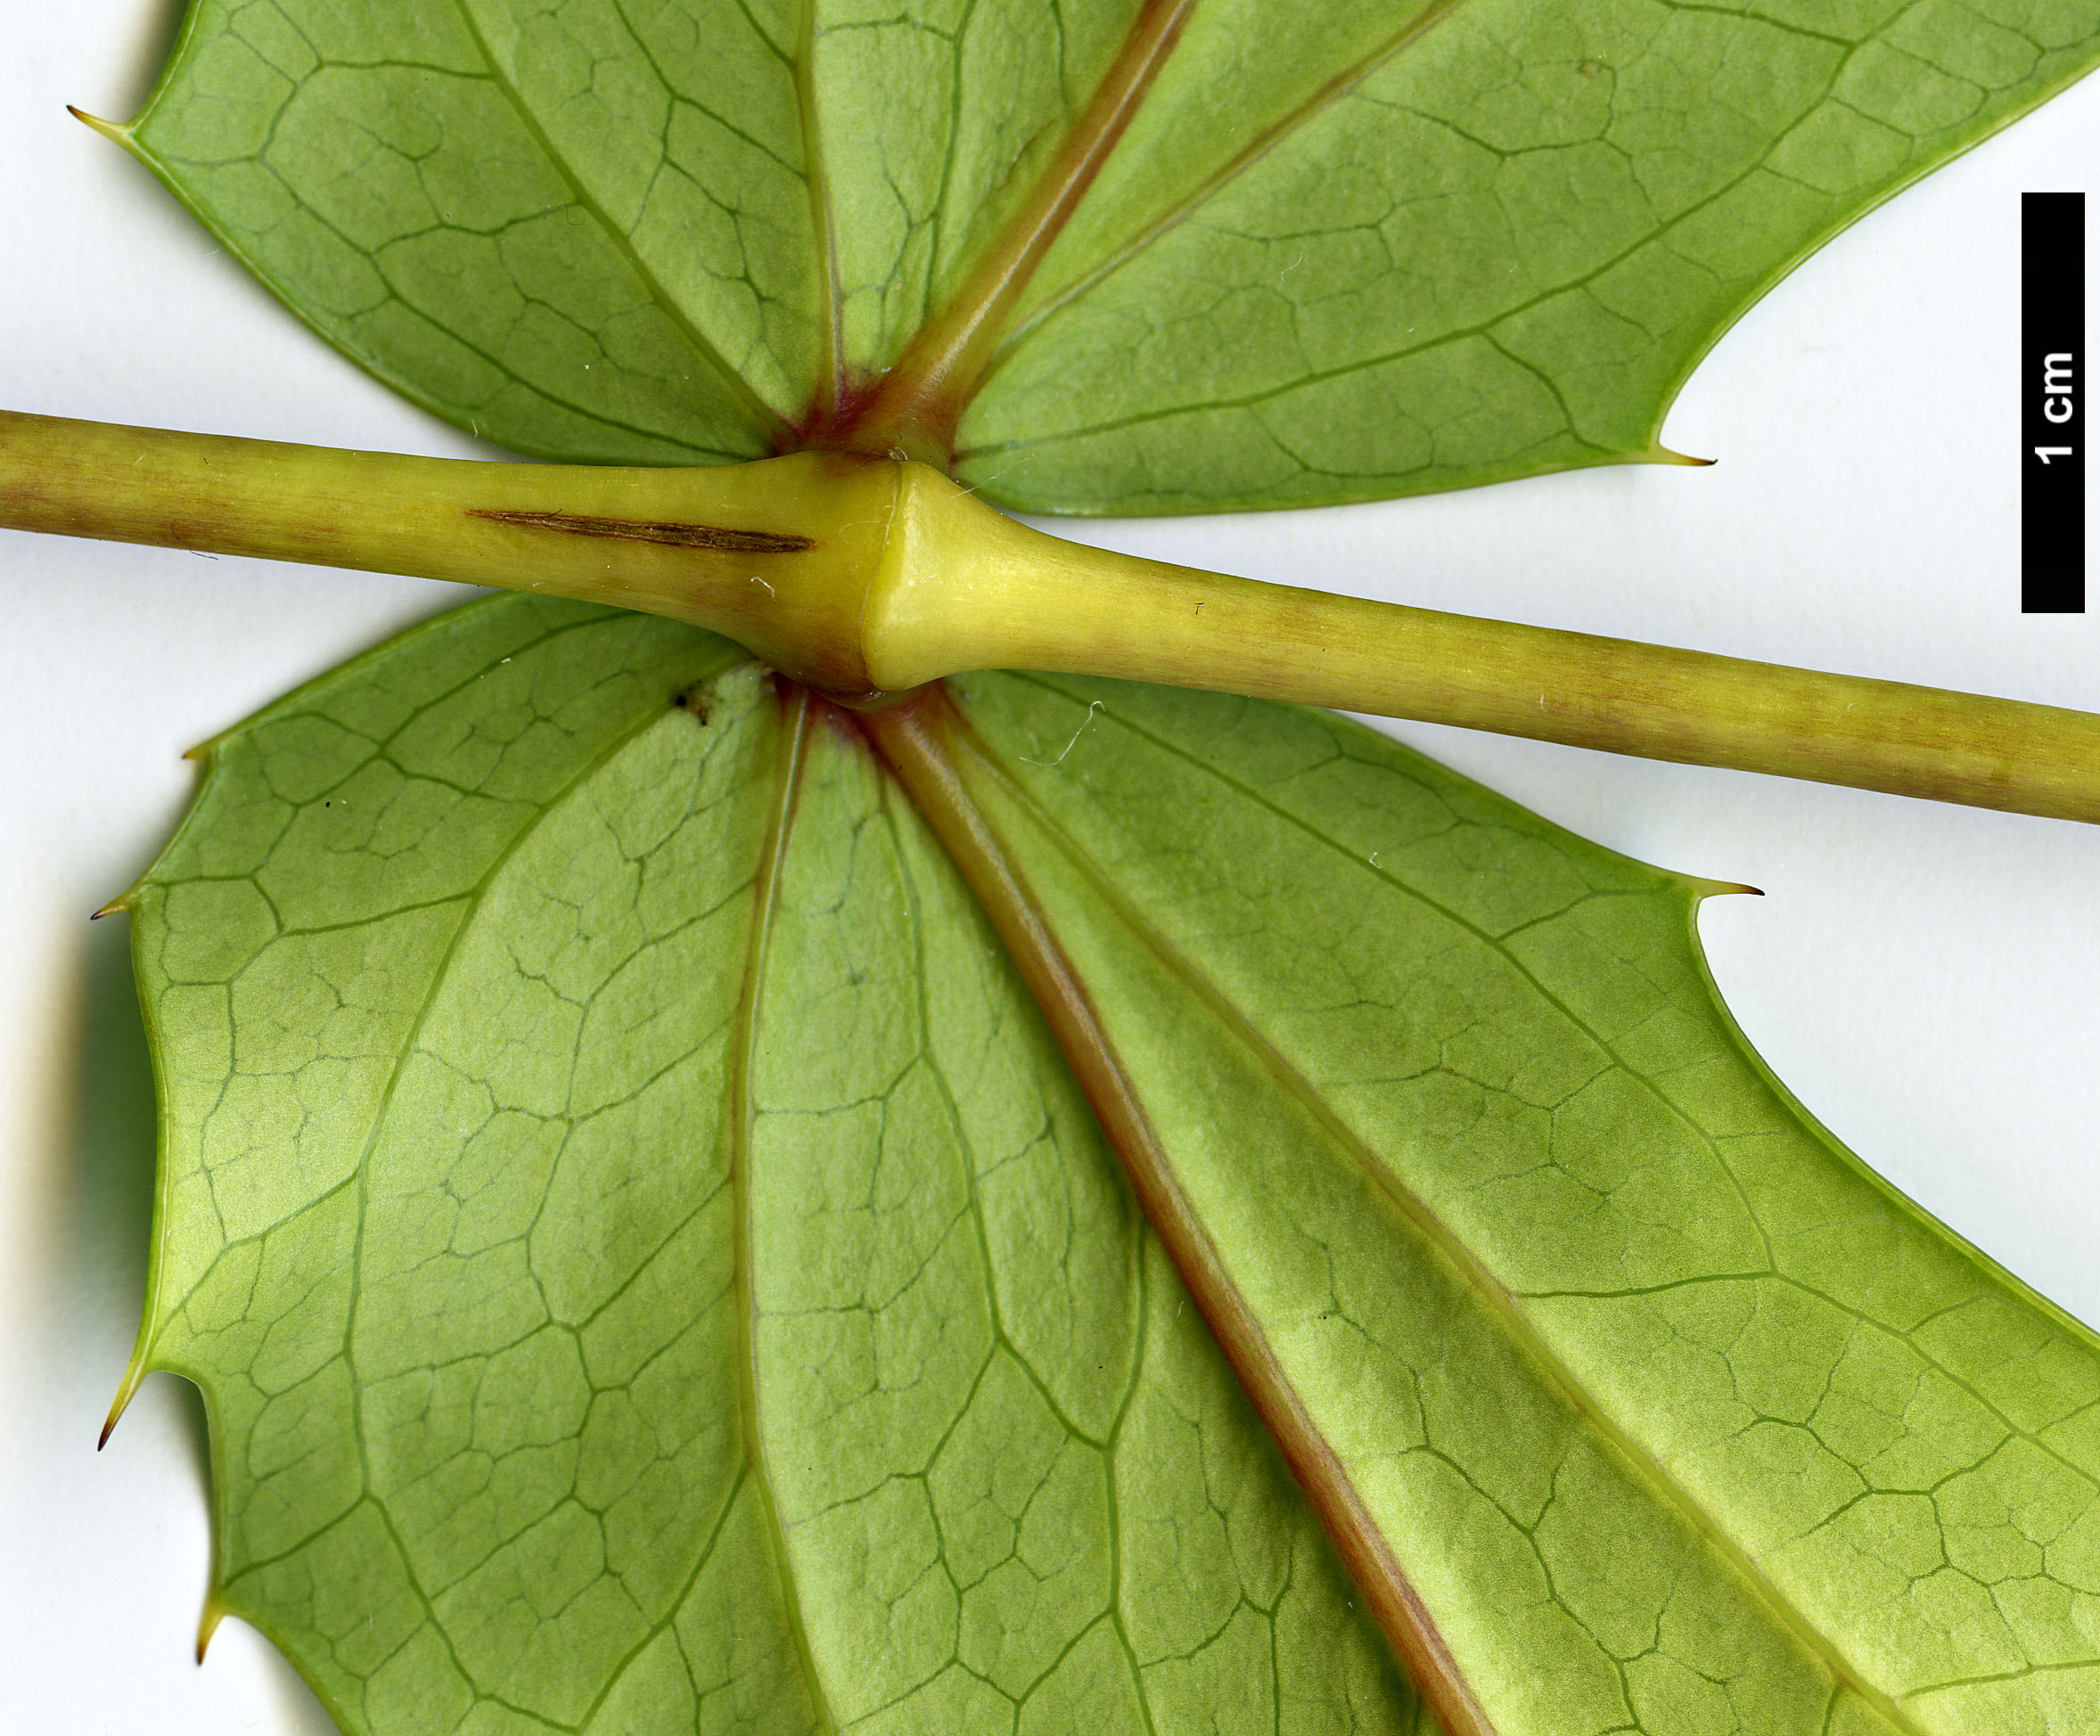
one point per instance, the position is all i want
(1924, 978)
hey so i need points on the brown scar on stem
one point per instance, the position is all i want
(659, 531)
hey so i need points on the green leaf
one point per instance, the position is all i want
(1375, 251)
(422, 182)
(645, 1245)
(1674, 1417)
(649, 1267)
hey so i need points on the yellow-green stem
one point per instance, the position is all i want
(866, 576)
(774, 555)
(1000, 596)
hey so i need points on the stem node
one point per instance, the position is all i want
(867, 578)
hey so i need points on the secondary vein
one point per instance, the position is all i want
(767, 418)
(794, 728)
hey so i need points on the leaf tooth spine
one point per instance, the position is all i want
(1660, 453)
(135, 1374)
(116, 132)
(1702, 888)
(214, 1612)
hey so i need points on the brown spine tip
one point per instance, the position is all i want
(1663, 455)
(214, 1612)
(132, 1375)
(109, 129)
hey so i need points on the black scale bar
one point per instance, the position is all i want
(2051, 392)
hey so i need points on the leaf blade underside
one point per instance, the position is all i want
(1368, 250)
(1736, 1340)
(503, 1438)
(565, 1372)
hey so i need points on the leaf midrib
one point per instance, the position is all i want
(1263, 142)
(1499, 1300)
(919, 400)
(918, 749)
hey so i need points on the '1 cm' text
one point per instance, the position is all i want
(2056, 402)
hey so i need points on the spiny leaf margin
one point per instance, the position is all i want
(1656, 1394)
(1394, 251)
(521, 1273)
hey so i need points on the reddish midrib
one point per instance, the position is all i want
(913, 741)
(917, 403)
